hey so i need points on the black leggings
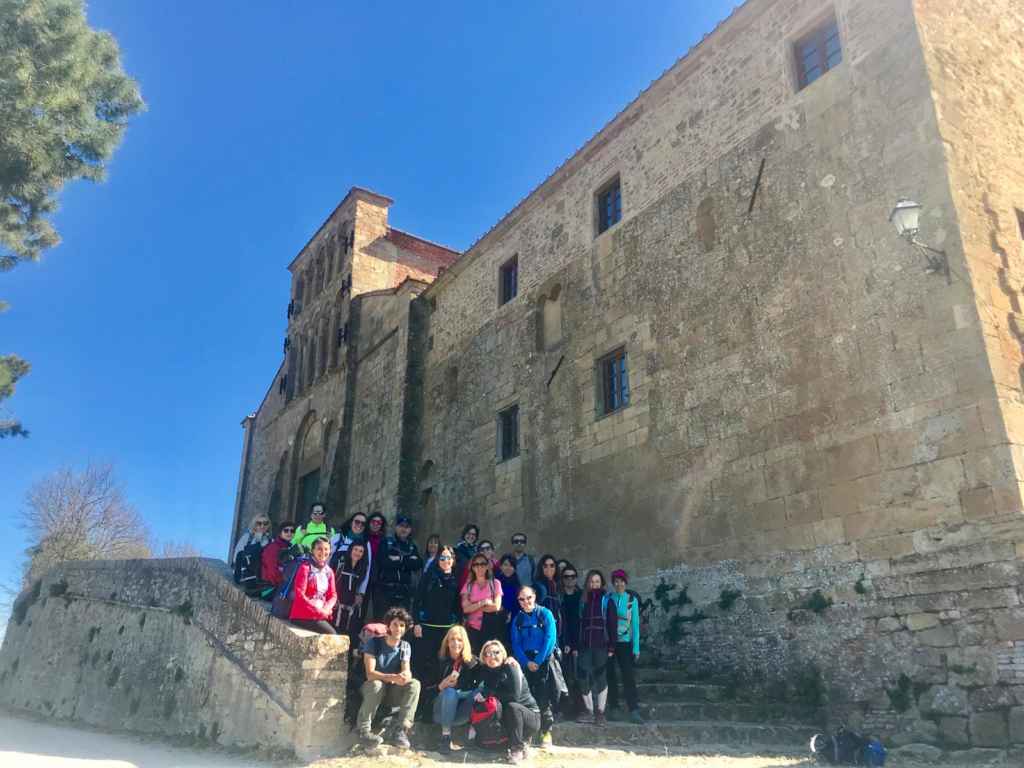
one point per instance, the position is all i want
(622, 662)
(520, 723)
(322, 626)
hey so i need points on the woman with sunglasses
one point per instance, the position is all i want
(259, 531)
(545, 584)
(435, 610)
(314, 593)
(271, 565)
(520, 715)
(377, 532)
(481, 603)
(570, 597)
(316, 527)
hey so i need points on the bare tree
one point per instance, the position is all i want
(179, 549)
(80, 516)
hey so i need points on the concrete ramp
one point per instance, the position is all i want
(172, 648)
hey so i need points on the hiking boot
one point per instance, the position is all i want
(400, 739)
(636, 717)
(546, 741)
(585, 717)
(600, 720)
(370, 740)
(446, 744)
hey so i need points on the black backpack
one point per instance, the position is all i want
(846, 747)
(284, 595)
(248, 563)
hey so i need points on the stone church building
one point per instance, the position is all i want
(701, 350)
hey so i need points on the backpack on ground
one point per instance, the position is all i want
(485, 720)
(284, 596)
(846, 747)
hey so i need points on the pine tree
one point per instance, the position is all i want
(64, 106)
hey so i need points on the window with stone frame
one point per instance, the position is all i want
(508, 280)
(609, 205)
(613, 382)
(817, 52)
(508, 433)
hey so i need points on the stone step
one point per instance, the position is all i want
(681, 733)
(733, 712)
(680, 692)
(656, 675)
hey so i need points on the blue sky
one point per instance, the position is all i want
(158, 322)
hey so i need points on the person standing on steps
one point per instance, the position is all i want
(378, 531)
(464, 551)
(627, 646)
(534, 639)
(316, 527)
(526, 566)
(481, 603)
(506, 576)
(436, 609)
(388, 664)
(571, 595)
(350, 577)
(398, 561)
(430, 550)
(598, 626)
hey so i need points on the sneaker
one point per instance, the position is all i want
(400, 739)
(516, 756)
(600, 720)
(370, 740)
(585, 718)
(446, 744)
(636, 717)
(546, 741)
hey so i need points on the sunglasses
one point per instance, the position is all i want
(287, 530)
(525, 599)
(492, 653)
(262, 524)
(378, 523)
(445, 557)
(358, 522)
(568, 575)
(518, 541)
(485, 547)
(317, 514)
(480, 565)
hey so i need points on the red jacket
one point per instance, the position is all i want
(305, 590)
(270, 570)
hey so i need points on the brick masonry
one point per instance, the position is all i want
(815, 421)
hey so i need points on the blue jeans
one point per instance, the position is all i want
(452, 707)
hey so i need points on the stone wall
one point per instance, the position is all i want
(172, 648)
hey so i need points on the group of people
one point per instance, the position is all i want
(512, 632)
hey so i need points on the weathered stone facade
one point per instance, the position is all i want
(812, 416)
(172, 648)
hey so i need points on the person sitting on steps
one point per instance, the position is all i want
(388, 664)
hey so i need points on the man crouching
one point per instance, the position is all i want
(389, 680)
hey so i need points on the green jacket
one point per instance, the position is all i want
(310, 532)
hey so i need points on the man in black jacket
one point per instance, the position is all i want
(396, 564)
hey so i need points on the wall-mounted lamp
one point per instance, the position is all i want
(905, 218)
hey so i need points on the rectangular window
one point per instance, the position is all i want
(817, 52)
(614, 381)
(609, 206)
(508, 433)
(508, 280)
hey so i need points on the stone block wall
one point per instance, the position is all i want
(172, 648)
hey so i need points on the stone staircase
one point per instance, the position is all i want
(682, 713)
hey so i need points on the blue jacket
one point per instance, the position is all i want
(533, 636)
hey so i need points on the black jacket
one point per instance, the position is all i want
(507, 684)
(437, 598)
(396, 563)
(469, 675)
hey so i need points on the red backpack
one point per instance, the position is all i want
(485, 719)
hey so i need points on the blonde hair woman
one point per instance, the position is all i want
(259, 530)
(457, 686)
(520, 715)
